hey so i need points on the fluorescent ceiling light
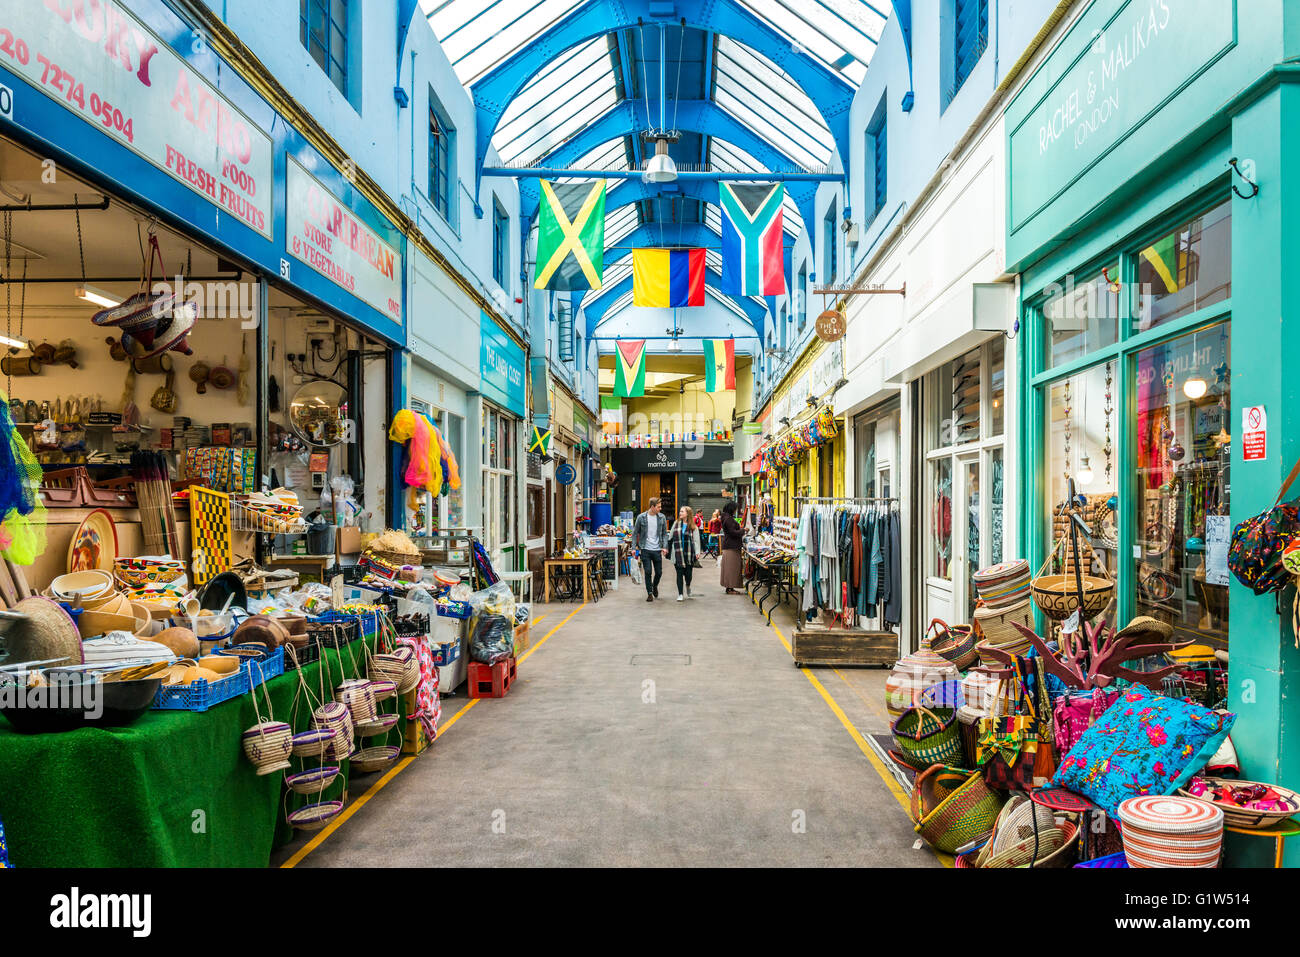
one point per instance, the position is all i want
(12, 343)
(98, 296)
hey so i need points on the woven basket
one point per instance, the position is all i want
(1063, 856)
(380, 724)
(997, 626)
(268, 745)
(951, 807)
(1022, 828)
(359, 697)
(375, 759)
(1249, 818)
(313, 743)
(384, 688)
(312, 781)
(956, 643)
(912, 674)
(312, 817)
(395, 558)
(1057, 596)
(1171, 831)
(928, 737)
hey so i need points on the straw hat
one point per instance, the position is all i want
(46, 632)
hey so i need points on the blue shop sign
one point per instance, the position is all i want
(501, 366)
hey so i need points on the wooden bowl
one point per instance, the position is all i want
(92, 624)
(222, 664)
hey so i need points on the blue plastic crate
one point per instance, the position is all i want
(202, 695)
(1110, 860)
(446, 652)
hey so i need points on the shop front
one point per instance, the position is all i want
(501, 413)
(808, 462)
(689, 474)
(1153, 282)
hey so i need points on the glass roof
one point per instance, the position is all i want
(725, 157)
(842, 34)
(479, 34)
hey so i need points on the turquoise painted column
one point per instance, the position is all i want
(1264, 670)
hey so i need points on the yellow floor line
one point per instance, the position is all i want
(904, 800)
(401, 765)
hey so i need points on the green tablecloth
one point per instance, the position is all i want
(172, 790)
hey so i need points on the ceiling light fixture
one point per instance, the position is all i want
(1195, 387)
(98, 297)
(12, 343)
(660, 168)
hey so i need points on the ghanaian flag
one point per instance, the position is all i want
(629, 368)
(667, 278)
(719, 365)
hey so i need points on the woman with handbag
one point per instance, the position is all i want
(733, 537)
(683, 547)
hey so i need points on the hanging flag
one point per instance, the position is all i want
(629, 368)
(571, 236)
(719, 365)
(541, 441)
(752, 257)
(667, 278)
(1163, 257)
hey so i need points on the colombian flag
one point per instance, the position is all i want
(719, 365)
(667, 278)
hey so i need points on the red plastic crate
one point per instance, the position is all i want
(492, 681)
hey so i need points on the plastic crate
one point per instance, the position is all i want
(445, 653)
(1110, 860)
(202, 695)
(332, 630)
(492, 681)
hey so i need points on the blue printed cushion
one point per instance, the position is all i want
(1142, 744)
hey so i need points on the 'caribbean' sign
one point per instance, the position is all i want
(95, 58)
(1119, 65)
(328, 237)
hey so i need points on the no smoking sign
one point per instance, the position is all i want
(1254, 432)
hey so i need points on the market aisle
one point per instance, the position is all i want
(642, 734)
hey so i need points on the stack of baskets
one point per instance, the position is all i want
(1171, 831)
(997, 629)
(1005, 585)
(914, 673)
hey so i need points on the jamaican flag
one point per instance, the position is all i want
(571, 236)
(629, 368)
(1164, 259)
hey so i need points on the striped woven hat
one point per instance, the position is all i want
(1003, 584)
(1171, 831)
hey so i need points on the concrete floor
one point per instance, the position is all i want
(644, 734)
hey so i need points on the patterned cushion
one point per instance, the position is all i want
(1142, 744)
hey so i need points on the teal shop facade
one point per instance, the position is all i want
(1159, 306)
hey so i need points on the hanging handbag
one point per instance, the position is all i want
(1255, 555)
(1007, 743)
(1045, 754)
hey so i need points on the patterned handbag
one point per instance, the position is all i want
(1255, 555)
(951, 807)
(1007, 743)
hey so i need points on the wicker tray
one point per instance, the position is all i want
(1248, 818)
(375, 759)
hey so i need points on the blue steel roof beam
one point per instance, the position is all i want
(596, 310)
(698, 116)
(494, 91)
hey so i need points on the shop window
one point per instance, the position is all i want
(865, 443)
(1082, 316)
(940, 497)
(955, 402)
(1185, 270)
(442, 158)
(323, 30)
(564, 329)
(500, 243)
(536, 511)
(997, 387)
(1182, 453)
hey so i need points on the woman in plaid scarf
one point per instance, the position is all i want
(683, 546)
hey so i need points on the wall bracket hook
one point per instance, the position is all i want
(1254, 187)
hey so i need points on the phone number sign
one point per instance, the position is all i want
(97, 59)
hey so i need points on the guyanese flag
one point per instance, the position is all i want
(719, 365)
(667, 278)
(629, 368)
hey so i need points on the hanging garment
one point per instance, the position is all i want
(893, 614)
(886, 547)
(864, 531)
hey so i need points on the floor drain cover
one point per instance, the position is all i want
(661, 659)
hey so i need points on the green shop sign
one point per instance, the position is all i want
(1119, 65)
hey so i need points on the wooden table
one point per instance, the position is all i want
(1279, 832)
(552, 565)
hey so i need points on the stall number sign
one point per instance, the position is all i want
(1254, 433)
(97, 59)
(329, 238)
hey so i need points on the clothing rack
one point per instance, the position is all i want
(841, 500)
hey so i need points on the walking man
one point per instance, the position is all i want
(649, 537)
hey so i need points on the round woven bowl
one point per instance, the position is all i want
(1171, 831)
(313, 780)
(997, 625)
(1057, 595)
(1249, 818)
(268, 746)
(375, 759)
(384, 689)
(380, 724)
(313, 743)
(312, 817)
(335, 717)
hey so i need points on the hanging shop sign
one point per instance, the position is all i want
(566, 474)
(689, 458)
(327, 236)
(1121, 63)
(501, 366)
(831, 326)
(97, 59)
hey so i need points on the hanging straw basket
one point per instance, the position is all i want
(380, 724)
(956, 643)
(268, 743)
(312, 817)
(997, 627)
(928, 737)
(314, 742)
(359, 697)
(375, 759)
(313, 780)
(1057, 596)
(384, 688)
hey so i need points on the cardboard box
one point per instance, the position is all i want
(349, 540)
(523, 638)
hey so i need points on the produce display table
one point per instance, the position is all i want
(171, 790)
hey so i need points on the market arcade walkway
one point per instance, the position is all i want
(641, 734)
